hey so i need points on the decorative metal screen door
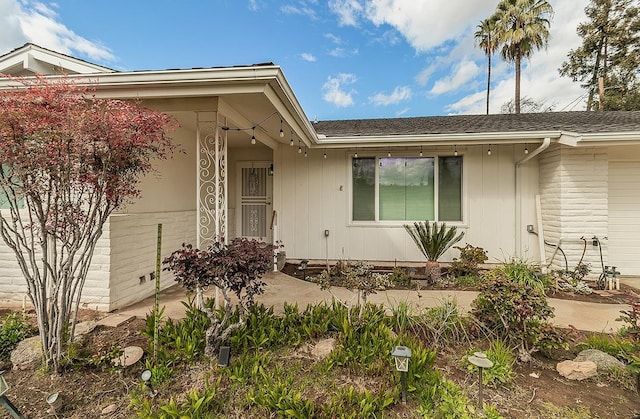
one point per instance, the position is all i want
(254, 191)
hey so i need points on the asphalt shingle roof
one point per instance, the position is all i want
(578, 122)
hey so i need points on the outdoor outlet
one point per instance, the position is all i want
(326, 233)
(529, 228)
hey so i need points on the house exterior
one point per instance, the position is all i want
(255, 166)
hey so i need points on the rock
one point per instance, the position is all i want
(27, 352)
(323, 348)
(84, 328)
(109, 410)
(577, 370)
(130, 355)
(603, 360)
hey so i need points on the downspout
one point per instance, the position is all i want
(518, 221)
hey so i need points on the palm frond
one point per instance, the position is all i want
(433, 240)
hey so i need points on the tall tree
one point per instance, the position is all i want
(487, 40)
(610, 50)
(68, 161)
(523, 27)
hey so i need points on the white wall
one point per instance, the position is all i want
(574, 198)
(313, 194)
(171, 187)
(133, 252)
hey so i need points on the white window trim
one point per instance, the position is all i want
(400, 224)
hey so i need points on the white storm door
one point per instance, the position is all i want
(255, 185)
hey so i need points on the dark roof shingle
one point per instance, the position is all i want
(578, 122)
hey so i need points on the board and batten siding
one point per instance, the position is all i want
(574, 201)
(312, 195)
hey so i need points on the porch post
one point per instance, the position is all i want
(212, 180)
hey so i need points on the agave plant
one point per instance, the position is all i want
(433, 241)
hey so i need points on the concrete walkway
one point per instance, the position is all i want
(282, 288)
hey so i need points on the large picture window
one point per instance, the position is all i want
(407, 188)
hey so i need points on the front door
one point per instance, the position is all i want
(254, 195)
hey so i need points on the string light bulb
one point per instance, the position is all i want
(356, 154)
(420, 151)
(455, 150)
(291, 140)
(305, 151)
(325, 154)
(299, 148)
(489, 150)
(526, 149)
(389, 153)
(281, 130)
(253, 135)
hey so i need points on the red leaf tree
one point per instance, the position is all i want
(68, 161)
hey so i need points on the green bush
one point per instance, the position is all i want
(13, 329)
(516, 312)
(523, 273)
(467, 264)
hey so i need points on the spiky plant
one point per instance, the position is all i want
(433, 240)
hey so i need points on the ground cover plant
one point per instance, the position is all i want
(275, 370)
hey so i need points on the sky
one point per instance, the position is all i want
(344, 59)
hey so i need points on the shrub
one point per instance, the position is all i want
(236, 268)
(523, 273)
(13, 329)
(631, 318)
(470, 258)
(516, 312)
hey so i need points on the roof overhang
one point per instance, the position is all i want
(260, 91)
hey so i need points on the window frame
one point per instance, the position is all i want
(436, 189)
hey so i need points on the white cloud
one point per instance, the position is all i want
(402, 112)
(428, 24)
(303, 8)
(463, 73)
(334, 91)
(308, 57)
(347, 11)
(341, 52)
(333, 38)
(253, 5)
(33, 21)
(400, 93)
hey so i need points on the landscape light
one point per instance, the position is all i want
(401, 356)
(480, 360)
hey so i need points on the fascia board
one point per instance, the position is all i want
(438, 139)
(610, 139)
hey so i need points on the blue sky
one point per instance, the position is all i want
(344, 58)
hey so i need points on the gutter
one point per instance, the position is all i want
(518, 219)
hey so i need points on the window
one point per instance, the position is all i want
(407, 188)
(6, 181)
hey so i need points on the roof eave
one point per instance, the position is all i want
(610, 139)
(496, 138)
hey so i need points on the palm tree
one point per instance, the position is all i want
(433, 241)
(523, 27)
(487, 40)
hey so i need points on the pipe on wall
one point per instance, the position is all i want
(518, 216)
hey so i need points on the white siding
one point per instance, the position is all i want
(573, 189)
(313, 194)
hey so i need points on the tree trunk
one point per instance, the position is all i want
(432, 271)
(488, 81)
(517, 98)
